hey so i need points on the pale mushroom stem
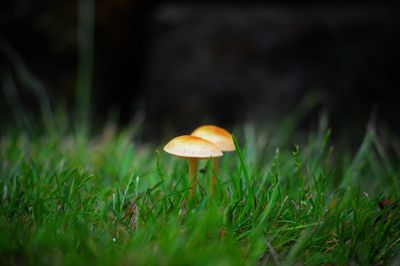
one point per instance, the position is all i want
(214, 171)
(192, 175)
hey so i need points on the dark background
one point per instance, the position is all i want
(182, 64)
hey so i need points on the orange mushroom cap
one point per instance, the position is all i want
(218, 136)
(192, 147)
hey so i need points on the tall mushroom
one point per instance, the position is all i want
(193, 148)
(221, 138)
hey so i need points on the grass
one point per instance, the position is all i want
(109, 199)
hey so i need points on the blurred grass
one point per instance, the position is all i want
(107, 199)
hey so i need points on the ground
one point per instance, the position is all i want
(69, 197)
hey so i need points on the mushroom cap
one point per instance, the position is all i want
(218, 136)
(192, 147)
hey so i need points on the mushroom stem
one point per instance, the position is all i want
(192, 175)
(214, 171)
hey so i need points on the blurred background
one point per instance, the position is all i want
(180, 64)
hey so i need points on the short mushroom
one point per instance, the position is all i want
(221, 138)
(192, 148)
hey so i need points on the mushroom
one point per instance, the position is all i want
(193, 148)
(221, 138)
